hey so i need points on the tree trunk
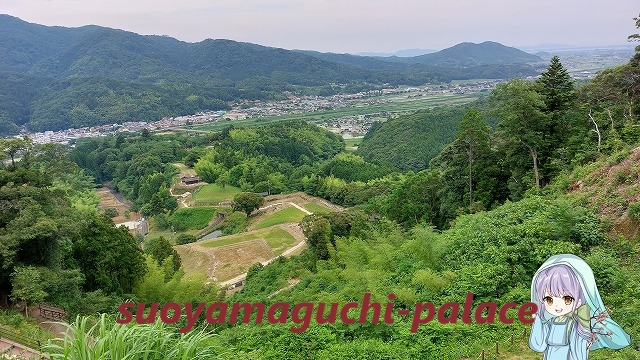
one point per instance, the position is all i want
(534, 157)
(470, 181)
(597, 131)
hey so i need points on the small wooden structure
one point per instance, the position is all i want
(52, 312)
(189, 180)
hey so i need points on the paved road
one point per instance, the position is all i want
(19, 349)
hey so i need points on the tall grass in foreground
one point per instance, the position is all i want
(107, 340)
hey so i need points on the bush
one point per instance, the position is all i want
(111, 212)
(634, 211)
(185, 239)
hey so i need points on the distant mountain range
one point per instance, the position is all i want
(399, 53)
(57, 77)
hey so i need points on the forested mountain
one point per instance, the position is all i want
(410, 142)
(71, 77)
(461, 55)
(471, 54)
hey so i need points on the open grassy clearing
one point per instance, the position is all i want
(397, 104)
(226, 257)
(290, 214)
(275, 237)
(193, 218)
(315, 208)
(184, 169)
(351, 145)
(213, 194)
(353, 141)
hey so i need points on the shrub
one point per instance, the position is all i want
(111, 212)
(634, 211)
(185, 239)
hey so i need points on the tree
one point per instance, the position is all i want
(16, 147)
(160, 202)
(208, 171)
(635, 37)
(317, 230)
(416, 199)
(160, 249)
(522, 119)
(247, 202)
(470, 153)
(108, 256)
(557, 87)
(185, 239)
(27, 286)
(472, 138)
(223, 179)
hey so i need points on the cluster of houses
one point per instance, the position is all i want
(256, 108)
(64, 136)
(350, 126)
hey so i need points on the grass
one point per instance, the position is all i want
(316, 209)
(234, 223)
(101, 338)
(351, 145)
(290, 214)
(17, 324)
(192, 217)
(276, 238)
(213, 194)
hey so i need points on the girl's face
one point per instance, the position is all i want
(558, 305)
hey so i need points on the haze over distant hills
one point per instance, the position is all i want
(56, 77)
(399, 53)
(566, 47)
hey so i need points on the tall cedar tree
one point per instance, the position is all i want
(557, 88)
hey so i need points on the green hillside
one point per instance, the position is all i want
(410, 142)
(58, 78)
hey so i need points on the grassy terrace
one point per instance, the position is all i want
(192, 217)
(212, 194)
(316, 209)
(398, 103)
(290, 214)
(351, 145)
(277, 239)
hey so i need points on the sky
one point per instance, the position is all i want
(350, 26)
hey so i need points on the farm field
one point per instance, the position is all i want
(352, 143)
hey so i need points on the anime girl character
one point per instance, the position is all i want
(571, 318)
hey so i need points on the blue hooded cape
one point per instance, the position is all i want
(618, 337)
